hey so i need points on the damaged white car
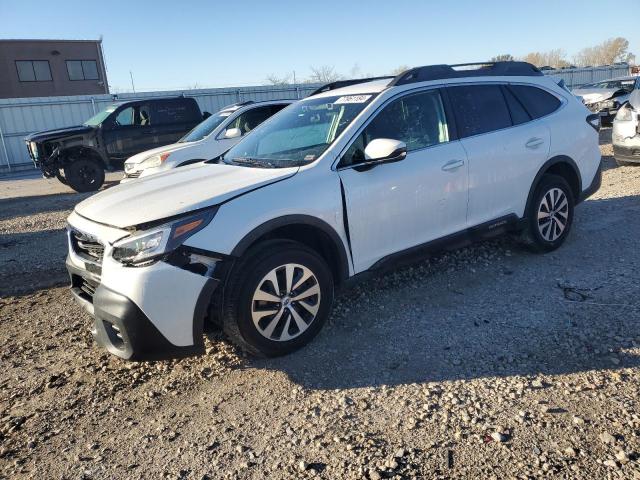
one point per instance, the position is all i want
(605, 98)
(626, 131)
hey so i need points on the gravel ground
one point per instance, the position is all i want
(487, 362)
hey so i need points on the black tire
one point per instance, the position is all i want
(60, 176)
(245, 280)
(537, 234)
(84, 175)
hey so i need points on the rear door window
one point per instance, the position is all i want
(537, 102)
(479, 109)
(174, 111)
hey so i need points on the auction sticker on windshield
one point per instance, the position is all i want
(353, 99)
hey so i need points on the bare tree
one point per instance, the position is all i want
(553, 58)
(323, 74)
(276, 80)
(399, 69)
(505, 57)
(608, 52)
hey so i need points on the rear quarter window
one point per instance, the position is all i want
(537, 102)
(479, 109)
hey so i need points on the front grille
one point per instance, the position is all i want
(133, 174)
(87, 247)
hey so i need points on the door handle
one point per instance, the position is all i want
(452, 165)
(534, 142)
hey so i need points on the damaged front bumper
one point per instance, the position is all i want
(122, 327)
(628, 152)
(150, 312)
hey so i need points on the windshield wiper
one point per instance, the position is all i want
(253, 161)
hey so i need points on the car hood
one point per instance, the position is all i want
(139, 157)
(175, 192)
(58, 133)
(592, 95)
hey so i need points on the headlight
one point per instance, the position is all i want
(151, 244)
(154, 161)
(129, 167)
(606, 104)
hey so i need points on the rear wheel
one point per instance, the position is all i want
(84, 174)
(550, 214)
(278, 298)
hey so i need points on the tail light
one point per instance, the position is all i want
(594, 121)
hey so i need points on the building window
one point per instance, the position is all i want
(33, 70)
(82, 69)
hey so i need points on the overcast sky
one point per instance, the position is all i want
(180, 44)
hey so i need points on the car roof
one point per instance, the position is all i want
(250, 103)
(375, 86)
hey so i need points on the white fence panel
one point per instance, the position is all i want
(574, 77)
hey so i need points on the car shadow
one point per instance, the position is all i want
(21, 206)
(490, 310)
(31, 261)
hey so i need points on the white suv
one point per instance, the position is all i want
(209, 139)
(338, 184)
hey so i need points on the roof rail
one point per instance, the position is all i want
(463, 70)
(346, 83)
(238, 104)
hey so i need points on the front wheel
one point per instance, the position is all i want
(60, 176)
(84, 175)
(550, 214)
(278, 299)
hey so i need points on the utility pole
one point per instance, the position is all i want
(294, 77)
(132, 85)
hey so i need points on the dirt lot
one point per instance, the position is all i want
(489, 362)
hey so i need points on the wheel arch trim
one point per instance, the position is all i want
(558, 159)
(292, 220)
(94, 150)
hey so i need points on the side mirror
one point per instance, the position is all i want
(383, 150)
(232, 133)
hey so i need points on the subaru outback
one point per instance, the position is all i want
(335, 186)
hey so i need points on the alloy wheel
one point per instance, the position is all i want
(285, 302)
(553, 214)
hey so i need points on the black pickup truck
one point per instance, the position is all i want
(79, 156)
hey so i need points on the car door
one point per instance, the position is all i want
(504, 149)
(128, 131)
(396, 206)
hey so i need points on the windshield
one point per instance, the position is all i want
(299, 134)
(204, 128)
(99, 117)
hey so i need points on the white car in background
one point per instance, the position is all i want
(626, 132)
(210, 138)
(605, 98)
